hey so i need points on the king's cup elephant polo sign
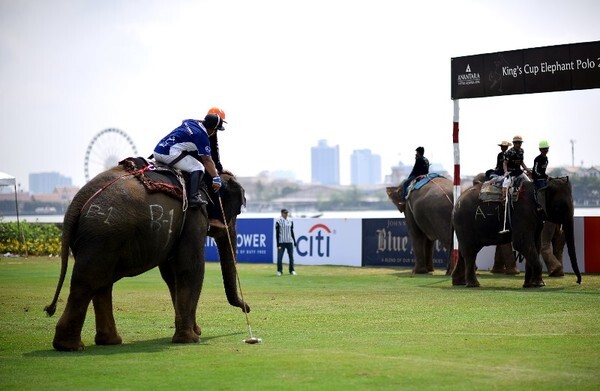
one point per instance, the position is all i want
(526, 71)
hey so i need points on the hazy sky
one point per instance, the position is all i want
(361, 74)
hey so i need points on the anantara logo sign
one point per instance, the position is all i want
(468, 77)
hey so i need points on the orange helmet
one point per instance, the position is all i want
(217, 111)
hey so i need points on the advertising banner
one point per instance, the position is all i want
(543, 69)
(386, 243)
(255, 238)
(327, 242)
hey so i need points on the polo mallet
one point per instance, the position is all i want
(504, 230)
(252, 340)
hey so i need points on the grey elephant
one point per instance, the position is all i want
(115, 228)
(428, 211)
(553, 243)
(478, 224)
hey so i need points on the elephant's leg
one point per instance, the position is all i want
(508, 257)
(470, 271)
(558, 247)
(429, 246)
(458, 274)
(420, 249)
(168, 275)
(533, 270)
(68, 329)
(106, 329)
(498, 266)
(189, 275)
(548, 250)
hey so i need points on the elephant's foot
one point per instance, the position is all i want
(197, 329)
(185, 336)
(534, 284)
(473, 284)
(108, 339)
(420, 270)
(512, 271)
(458, 280)
(68, 346)
(496, 270)
(558, 272)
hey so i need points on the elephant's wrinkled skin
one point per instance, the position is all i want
(478, 224)
(428, 212)
(116, 229)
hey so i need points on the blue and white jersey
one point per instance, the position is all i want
(191, 135)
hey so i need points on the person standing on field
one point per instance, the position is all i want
(286, 240)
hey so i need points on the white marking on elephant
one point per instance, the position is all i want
(479, 212)
(157, 222)
(96, 211)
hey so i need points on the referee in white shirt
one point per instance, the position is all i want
(284, 232)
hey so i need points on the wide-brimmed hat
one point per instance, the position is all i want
(505, 143)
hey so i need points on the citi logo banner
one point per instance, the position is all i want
(317, 243)
(328, 241)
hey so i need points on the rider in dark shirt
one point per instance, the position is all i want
(498, 171)
(540, 178)
(421, 167)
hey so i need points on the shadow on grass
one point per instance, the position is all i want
(148, 346)
(441, 281)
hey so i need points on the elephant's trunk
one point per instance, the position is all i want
(570, 240)
(227, 249)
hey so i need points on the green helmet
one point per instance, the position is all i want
(544, 144)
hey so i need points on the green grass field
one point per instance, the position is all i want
(329, 328)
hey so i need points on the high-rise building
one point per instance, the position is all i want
(325, 164)
(46, 182)
(365, 168)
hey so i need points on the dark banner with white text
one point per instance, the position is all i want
(386, 243)
(526, 71)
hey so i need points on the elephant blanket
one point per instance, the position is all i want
(491, 191)
(421, 181)
(156, 178)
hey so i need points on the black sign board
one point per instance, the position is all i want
(551, 68)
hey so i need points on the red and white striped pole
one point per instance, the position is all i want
(456, 173)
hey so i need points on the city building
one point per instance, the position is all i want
(325, 164)
(46, 182)
(365, 168)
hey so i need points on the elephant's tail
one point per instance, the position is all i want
(64, 256)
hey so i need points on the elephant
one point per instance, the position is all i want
(553, 244)
(115, 228)
(478, 224)
(428, 212)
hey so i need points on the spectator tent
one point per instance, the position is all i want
(9, 180)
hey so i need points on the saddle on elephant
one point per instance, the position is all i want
(420, 181)
(491, 191)
(158, 177)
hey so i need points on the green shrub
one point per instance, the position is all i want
(30, 238)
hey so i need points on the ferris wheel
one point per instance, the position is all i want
(106, 150)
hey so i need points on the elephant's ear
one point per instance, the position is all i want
(393, 193)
